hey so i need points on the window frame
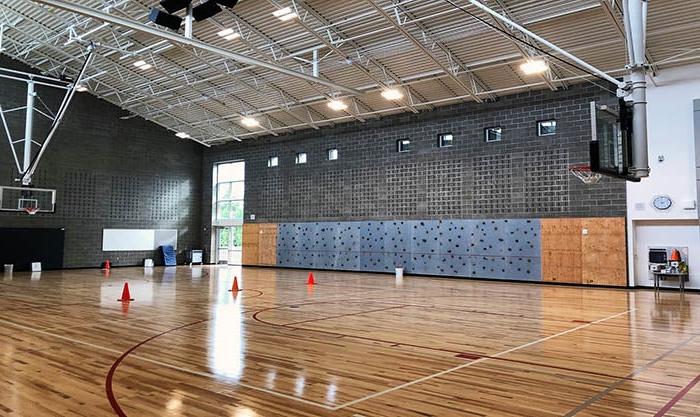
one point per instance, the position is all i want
(490, 128)
(539, 126)
(399, 145)
(218, 201)
(328, 154)
(269, 161)
(441, 137)
(297, 158)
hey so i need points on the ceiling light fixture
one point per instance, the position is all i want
(337, 105)
(80, 88)
(249, 121)
(392, 94)
(229, 34)
(284, 14)
(142, 65)
(533, 66)
(182, 135)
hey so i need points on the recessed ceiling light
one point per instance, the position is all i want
(392, 94)
(533, 66)
(229, 34)
(284, 14)
(143, 65)
(81, 88)
(289, 16)
(337, 105)
(182, 135)
(225, 32)
(281, 12)
(249, 121)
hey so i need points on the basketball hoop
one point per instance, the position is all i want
(31, 210)
(584, 173)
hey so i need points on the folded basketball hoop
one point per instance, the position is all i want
(584, 173)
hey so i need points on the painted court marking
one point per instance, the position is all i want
(643, 368)
(313, 403)
(456, 368)
(669, 405)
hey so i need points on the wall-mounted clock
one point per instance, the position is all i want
(662, 202)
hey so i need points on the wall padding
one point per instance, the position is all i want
(499, 249)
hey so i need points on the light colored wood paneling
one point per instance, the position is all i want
(268, 244)
(561, 250)
(597, 257)
(604, 254)
(250, 255)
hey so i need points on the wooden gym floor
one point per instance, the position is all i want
(353, 345)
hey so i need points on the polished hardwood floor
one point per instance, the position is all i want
(354, 345)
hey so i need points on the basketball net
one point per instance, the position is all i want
(31, 210)
(584, 173)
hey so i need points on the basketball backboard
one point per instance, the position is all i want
(27, 199)
(611, 144)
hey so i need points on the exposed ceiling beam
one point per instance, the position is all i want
(469, 90)
(140, 27)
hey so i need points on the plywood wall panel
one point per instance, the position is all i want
(561, 250)
(250, 255)
(267, 245)
(604, 253)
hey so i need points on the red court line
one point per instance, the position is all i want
(669, 405)
(581, 371)
(110, 375)
(458, 354)
(344, 315)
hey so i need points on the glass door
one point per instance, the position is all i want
(229, 245)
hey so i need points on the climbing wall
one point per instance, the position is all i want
(498, 249)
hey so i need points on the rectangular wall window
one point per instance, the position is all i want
(445, 140)
(547, 128)
(332, 154)
(272, 161)
(403, 145)
(229, 192)
(492, 134)
(300, 158)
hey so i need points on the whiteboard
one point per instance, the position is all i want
(137, 239)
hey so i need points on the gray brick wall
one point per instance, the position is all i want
(109, 173)
(522, 176)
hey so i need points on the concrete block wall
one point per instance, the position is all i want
(109, 173)
(523, 176)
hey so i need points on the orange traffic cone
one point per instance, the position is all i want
(311, 280)
(126, 295)
(234, 288)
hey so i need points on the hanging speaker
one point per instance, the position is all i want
(227, 3)
(174, 5)
(161, 18)
(205, 10)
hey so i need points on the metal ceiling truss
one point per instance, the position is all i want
(284, 73)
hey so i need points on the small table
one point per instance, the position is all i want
(682, 276)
